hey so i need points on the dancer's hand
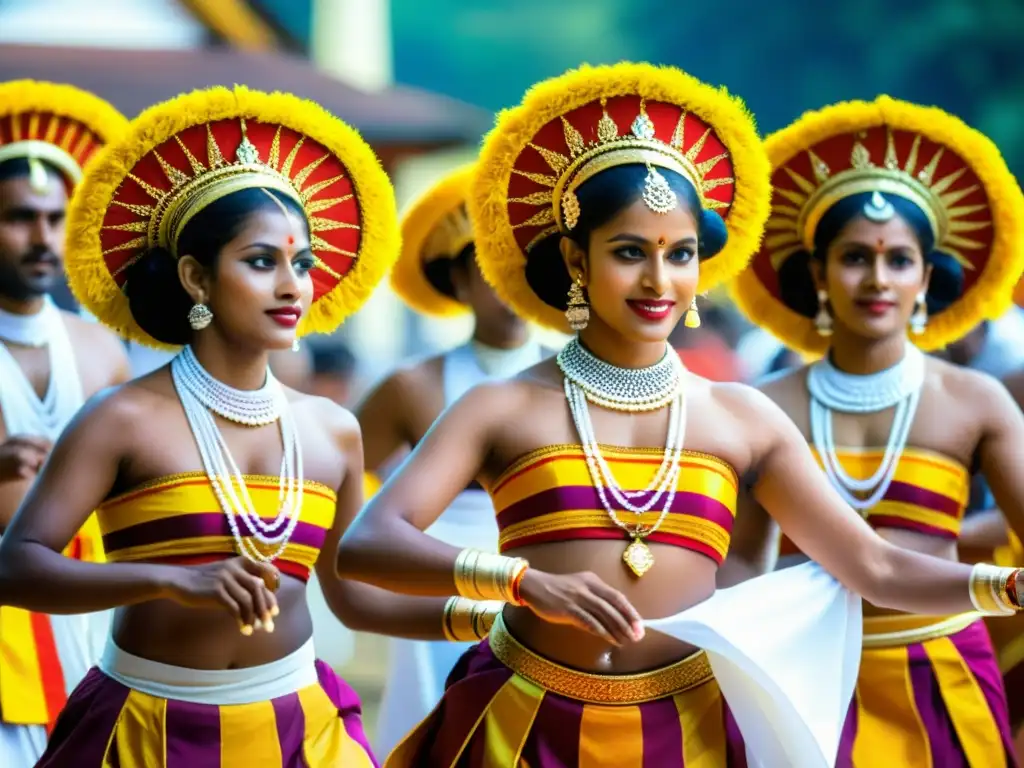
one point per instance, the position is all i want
(243, 587)
(22, 456)
(584, 601)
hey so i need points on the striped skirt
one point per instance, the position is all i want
(929, 695)
(507, 707)
(107, 724)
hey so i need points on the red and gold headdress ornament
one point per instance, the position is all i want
(435, 230)
(184, 154)
(570, 128)
(951, 172)
(56, 124)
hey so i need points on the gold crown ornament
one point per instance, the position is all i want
(60, 125)
(436, 227)
(180, 156)
(951, 172)
(571, 128)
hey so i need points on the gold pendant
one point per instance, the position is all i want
(638, 557)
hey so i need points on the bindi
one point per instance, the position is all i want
(662, 241)
(880, 246)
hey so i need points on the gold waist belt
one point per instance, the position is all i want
(592, 688)
(897, 631)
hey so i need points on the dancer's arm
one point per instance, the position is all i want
(1000, 451)
(364, 607)
(386, 545)
(795, 492)
(386, 415)
(78, 475)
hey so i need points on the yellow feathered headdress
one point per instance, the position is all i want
(184, 154)
(954, 174)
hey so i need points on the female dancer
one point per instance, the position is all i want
(437, 274)
(230, 221)
(894, 223)
(615, 179)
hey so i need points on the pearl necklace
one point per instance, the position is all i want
(622, 389)
(195, 387)
(254, 408)
(581, 382)
(834, 390)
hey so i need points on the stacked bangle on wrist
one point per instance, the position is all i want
(467, 620)
(994, 590)
(486, 576)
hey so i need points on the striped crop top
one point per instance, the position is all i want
(177, 519)
(548, 495)
(928, 494)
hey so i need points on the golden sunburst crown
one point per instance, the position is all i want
(795, 216)
(572, 127)
(952, 173)
(55, 123)
(196, 186)
(178, 157)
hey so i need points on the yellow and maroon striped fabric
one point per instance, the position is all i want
(928, 493)
(32, 685)
(108, 725)
(548, 495)
(930, 701)
(491, 717)
(178, 519)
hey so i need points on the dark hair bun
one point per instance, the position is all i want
(947, 281)
(713, 233)
(157, 299)
(796, 285)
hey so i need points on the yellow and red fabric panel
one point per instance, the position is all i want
(548, 495)
(178, 519)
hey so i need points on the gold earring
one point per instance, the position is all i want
(823, 320)
(199, 316)
(919, 320)
(578, 311)
(692, 319)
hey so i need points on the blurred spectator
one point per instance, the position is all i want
(995, 347)
(333, 372)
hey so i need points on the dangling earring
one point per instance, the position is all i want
(578, 311)
(295, 345)
(823, 320)
(919, 320)
(199, 316)
(692, 319)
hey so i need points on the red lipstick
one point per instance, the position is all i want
(287, 317)
(652, 310)
(876, 306)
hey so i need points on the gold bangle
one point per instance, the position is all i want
(988, 590)
(469, 620)
(485, 576)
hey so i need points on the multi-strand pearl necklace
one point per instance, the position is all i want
(833, 390)
(201, 396)
(588, 378)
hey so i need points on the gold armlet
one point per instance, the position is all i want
(469, 620)
(994, 590)
(486, 576)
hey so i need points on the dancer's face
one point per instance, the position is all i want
(873, 275)
(640, 271)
